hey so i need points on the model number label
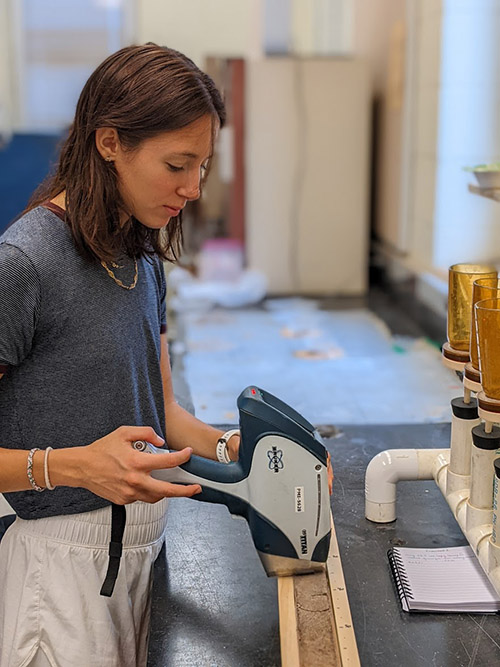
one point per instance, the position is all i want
(299, 499)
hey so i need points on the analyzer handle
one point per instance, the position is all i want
(198, 470)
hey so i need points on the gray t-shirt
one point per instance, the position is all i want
(81, 355)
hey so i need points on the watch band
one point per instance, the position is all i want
(221, 449)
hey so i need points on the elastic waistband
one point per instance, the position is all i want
(145, 525)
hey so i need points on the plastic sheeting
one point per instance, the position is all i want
(335, 367)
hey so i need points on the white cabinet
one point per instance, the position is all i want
(307, 145)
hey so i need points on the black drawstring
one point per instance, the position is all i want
(118, 518)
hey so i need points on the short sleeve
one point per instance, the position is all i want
(19, 305)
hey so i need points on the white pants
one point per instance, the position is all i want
(51, 572)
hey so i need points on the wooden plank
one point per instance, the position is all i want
(341, 609)
(315, 619)
(289, 641)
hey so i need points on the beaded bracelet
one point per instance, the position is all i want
(29, 470)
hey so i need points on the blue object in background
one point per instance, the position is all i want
(24, 163)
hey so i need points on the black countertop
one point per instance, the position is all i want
(213, 604)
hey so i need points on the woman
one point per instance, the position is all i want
(83, 354)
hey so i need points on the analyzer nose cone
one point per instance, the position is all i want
(282, 566)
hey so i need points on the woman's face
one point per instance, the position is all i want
(158, 178)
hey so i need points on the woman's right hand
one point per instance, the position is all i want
(111, 468)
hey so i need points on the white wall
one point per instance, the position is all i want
(467, 227)
(455, 122)
(7, 75)
(379, 38)
(321, 27)
(371, 29)
(244, 28)
(55, 45)
(451, 119)
(200, 27)
(424, 83)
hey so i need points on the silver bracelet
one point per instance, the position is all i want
(221, 449)
(29, 470)
(48, 485)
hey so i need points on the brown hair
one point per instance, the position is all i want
(141, 91)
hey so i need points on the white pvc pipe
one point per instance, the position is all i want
(475, 523)
(476, 526)
(494, 543)
(391, 466)
(483, 472)
(493, 561)
(388, 468)
(461, 444)
(495, 537)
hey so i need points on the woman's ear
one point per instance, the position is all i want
(107, 142)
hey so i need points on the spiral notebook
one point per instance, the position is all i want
(442, 580)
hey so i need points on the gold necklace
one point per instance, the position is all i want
(117, 280)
